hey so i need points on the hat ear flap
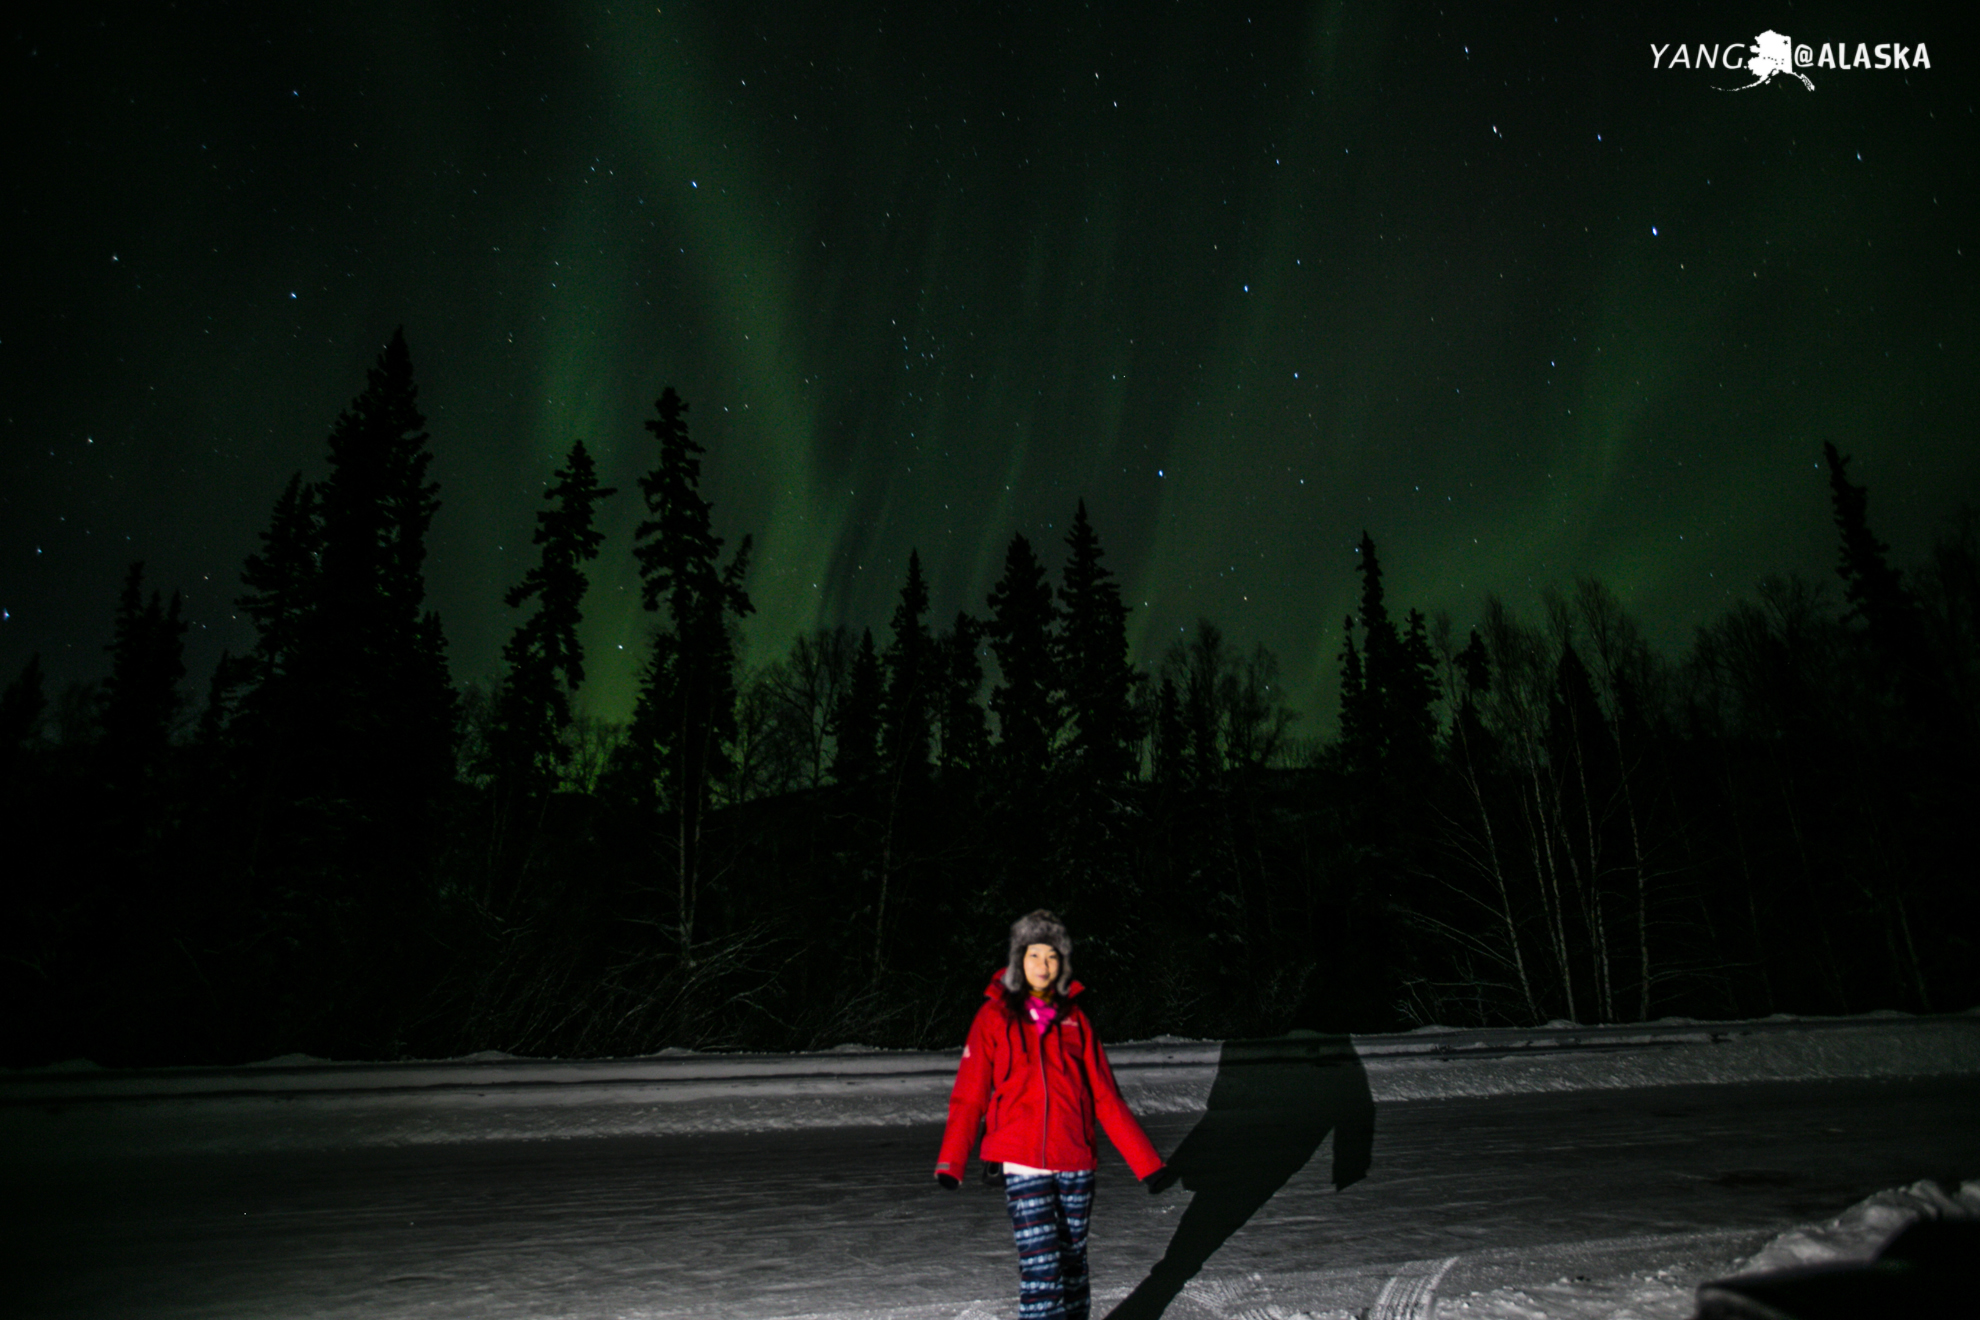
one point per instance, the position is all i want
(1039, 927)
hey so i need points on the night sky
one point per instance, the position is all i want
(1248, 280)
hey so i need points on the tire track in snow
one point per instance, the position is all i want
(1412, 1293)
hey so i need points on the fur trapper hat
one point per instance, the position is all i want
(1040, 927)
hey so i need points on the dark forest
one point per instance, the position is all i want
(338, 849)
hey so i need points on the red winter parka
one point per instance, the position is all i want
(1040, 1093)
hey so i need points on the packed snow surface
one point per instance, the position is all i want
(297, 1102)
(1559, 1172)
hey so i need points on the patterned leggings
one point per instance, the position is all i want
(1049, 1212)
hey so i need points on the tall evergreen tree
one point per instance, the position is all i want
(1877, 595)
(906, 705)
(282, 580)
(685, 720)
(1416, 691)
(856, 718)
(1381, 645)
(545, 659)
(1099, 681)
(676, 547)
(1389, 688)
(1380, 662)
(1026, 699)
(370, 660)
(1170, 754)
(21, 708)
(1358, 725)
(965, 733)
(1874, 589)
(346, 719)
(143, 700)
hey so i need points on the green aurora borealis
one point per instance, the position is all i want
(1247, 281)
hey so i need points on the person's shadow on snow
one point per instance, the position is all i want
(1271, 1105)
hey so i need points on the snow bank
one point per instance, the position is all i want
(1856, 1235)
(1670, 1291)
(298, 1102)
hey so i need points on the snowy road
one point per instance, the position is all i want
(1505, 1189)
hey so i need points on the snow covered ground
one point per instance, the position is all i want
(1853, 1236)
(1561, 1172)
(301, 1103)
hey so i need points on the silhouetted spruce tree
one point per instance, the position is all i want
(965, 733)
(685, 719)
(911, 681)
(1475, 663)
(1381, 645)
(1948, 592)
(1099, 681)
(1358, 725)
(217, 711)
(283, 578)
(1026, 698)
(1388, 690)
(142, 700)
(544, 656)
(21, 708)
(345, 725)
(1906, 803)
(282, 581)
(377, 708)
(1169, 756)
(1381, 663)
(1415, 697)
(40, 880)
(1875, 590)
(856, 718)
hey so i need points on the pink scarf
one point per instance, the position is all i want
(1042, 1013)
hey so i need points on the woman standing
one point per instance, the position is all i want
(1034, 1073)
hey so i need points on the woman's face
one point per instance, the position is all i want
(1041, 968)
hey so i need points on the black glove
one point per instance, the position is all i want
(949, 1181)
(1161, 1180)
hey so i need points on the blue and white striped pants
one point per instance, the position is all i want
(1049, 1213)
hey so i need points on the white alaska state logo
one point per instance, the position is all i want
(1772, 54)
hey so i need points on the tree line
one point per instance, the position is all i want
(340, 850)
